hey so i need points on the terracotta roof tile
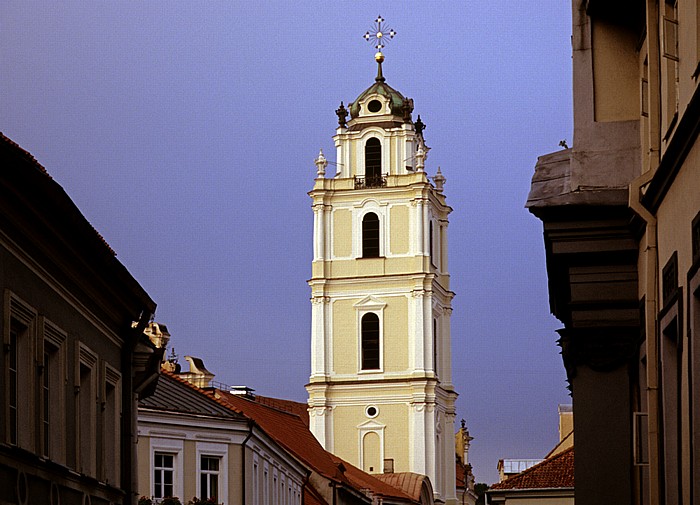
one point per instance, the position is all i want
(555, 472)
(300, 409)
(313, 497)
(375, 483)
(288, 430)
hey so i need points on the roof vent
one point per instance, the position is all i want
(242, 391)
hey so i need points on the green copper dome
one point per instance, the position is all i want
(400, 106)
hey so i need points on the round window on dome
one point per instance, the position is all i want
(371, 411)
(374, 106)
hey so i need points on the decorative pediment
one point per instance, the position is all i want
(371, 425)
(369, 303)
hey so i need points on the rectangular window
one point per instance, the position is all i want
(669, 280)
(13, 379)
(53, 391)
(20, 373)
(87, 410)
(209, 477)
(670, 364)
(695, 239)
(46, 391)
(163, 475)
(256, 484)
(111, 413)
(669, 44)
(435, 346)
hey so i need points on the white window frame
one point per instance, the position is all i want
(168, 446)
(367, 305)
(358, 214)
(218, 451)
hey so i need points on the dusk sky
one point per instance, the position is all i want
(185, 131)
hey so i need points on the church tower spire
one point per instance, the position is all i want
(380, 391)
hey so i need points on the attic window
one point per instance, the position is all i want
(374, 106)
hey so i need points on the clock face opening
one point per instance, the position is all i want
(374, 106)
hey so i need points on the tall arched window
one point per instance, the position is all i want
(373, 162)
(370, 235)
(370, 341)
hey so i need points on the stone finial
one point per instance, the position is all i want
(439, 181)
(321, 164)
(419, 127)
(342, 114)
(420, 158)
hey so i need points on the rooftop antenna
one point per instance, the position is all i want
(379, 35)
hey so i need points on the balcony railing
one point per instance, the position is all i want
(374, 181)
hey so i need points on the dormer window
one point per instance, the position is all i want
(374, 106)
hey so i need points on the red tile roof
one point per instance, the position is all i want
(313, 497)
(300, 409)
(279, 420)
(290, 431)
(555, 472)
(375, 483)
(286, 429)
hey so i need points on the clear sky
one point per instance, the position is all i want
(186, 131)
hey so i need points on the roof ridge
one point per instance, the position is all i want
(568, 435)
(202, 391)
(27, 154)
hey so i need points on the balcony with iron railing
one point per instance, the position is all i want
(372, 181)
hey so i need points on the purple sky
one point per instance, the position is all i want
(186, 131)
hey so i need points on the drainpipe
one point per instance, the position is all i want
(250, 434)
(650, 264)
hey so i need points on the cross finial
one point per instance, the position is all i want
(379, 35)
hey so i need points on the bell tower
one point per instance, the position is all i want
(380, 392)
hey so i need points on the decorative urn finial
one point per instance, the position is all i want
(342, 114)
(439, 181)
(321, 164)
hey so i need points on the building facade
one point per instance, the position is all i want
(191, 446)
(74, 355)
(621, 215)
(381, 299)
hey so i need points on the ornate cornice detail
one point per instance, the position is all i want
(601, 349)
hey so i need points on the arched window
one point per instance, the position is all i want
(370, 235)
(373, 162)
(370, 341)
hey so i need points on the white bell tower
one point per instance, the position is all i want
(380, 392)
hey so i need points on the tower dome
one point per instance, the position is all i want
(380, 99)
